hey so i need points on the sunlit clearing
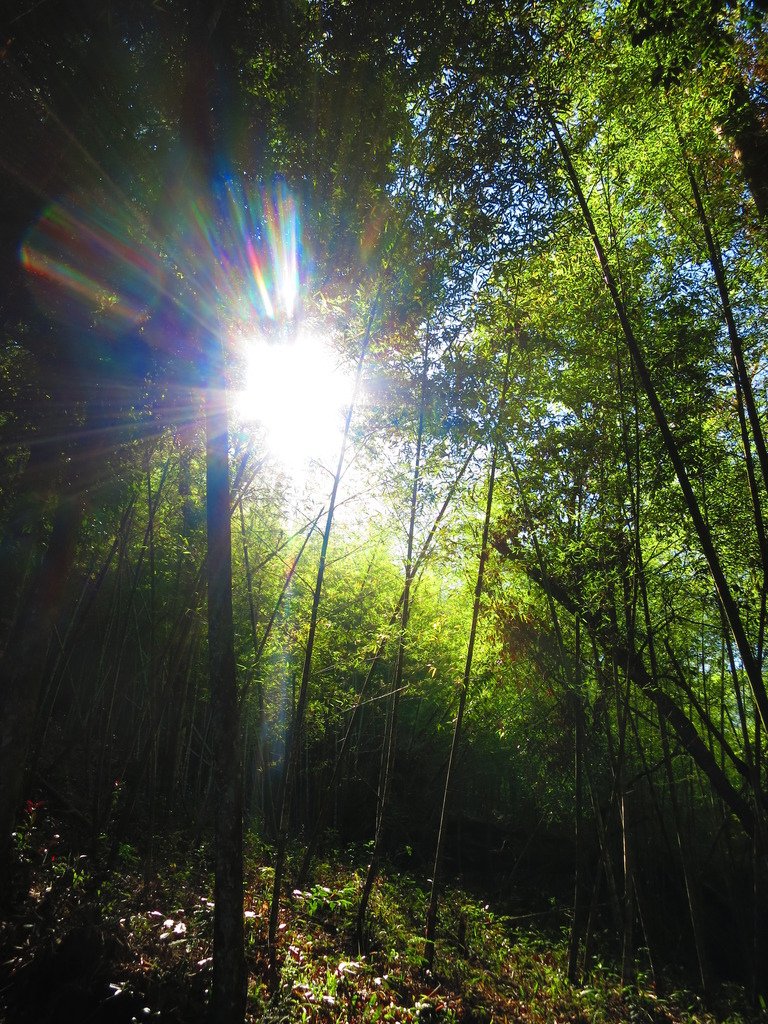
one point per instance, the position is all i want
(298, 393)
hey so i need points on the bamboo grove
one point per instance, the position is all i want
(515, 629)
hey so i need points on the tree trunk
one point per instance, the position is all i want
(749, 141)
(229, 973)
(294, 735)
(431, 925)
(574, 940)
(354, 718)
(228, 991)
(730, 607)
(390, 740)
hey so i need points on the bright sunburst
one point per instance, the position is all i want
(228, 264)
(299, 394)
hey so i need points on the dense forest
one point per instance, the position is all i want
(383, 510)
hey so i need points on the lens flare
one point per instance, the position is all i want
(227, 262)
(86, 266)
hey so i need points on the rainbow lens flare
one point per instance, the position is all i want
(226, 262)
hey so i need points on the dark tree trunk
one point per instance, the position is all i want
(749, 141)
(201, 113)
(229, 973)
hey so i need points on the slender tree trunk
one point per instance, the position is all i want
(355, 715)
(633, 466)
(628, 930)
(88, 595)
(294, 735)
(742, 378)
(149, 863)
(574, 941)
(229, 974)
(691, 895)
(730, 607)
(22, 529)
(199, 132)
(431, 925)
(262, 742)
(607, 862)
(391, 731)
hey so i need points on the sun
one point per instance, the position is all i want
(299, 393)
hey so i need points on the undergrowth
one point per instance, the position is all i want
(134, 944)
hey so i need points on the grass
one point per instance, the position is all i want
(88, 946)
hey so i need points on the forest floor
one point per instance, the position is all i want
(135, 945)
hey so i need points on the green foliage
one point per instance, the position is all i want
(323, 904)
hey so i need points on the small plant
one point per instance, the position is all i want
(323, 903)
(71, 871)
(128, 855)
